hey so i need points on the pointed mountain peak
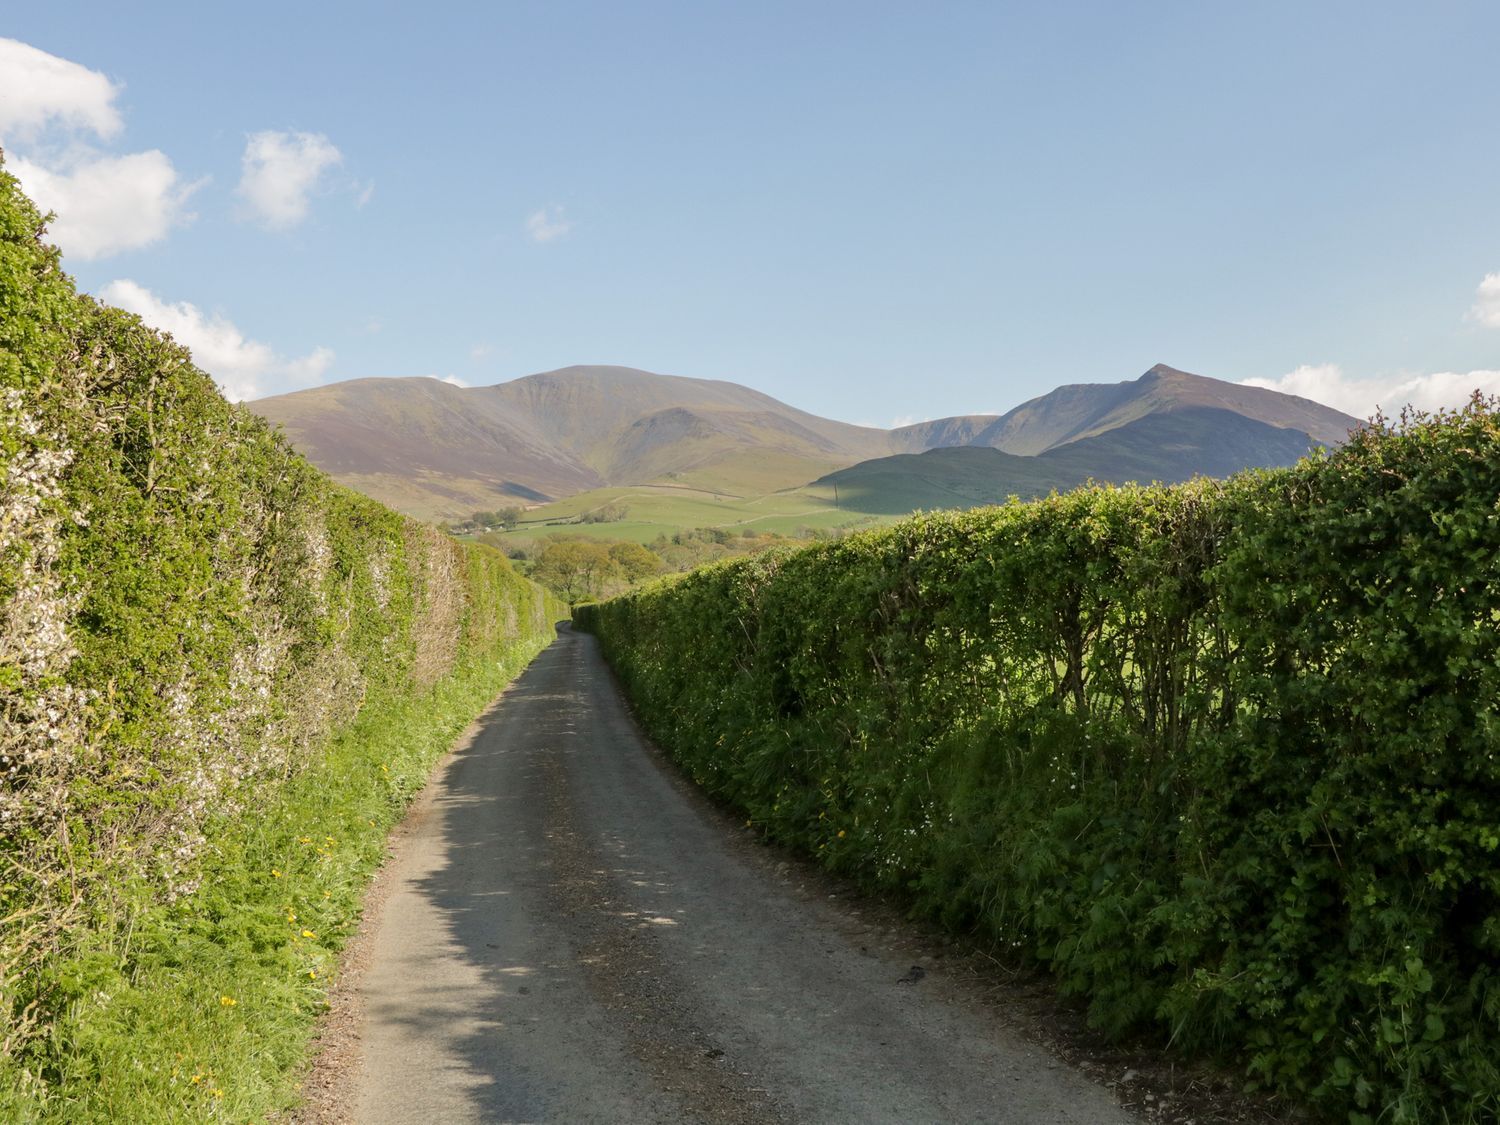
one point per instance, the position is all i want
(1162, 371)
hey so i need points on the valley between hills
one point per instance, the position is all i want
(671, 453)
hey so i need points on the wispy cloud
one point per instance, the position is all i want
(1486, 308)
(480, 351)
(454, 380)
(240, 365)
(279, 172)
(547, 224)
(1329, 384)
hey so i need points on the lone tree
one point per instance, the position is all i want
(635, 561)
(576, 568)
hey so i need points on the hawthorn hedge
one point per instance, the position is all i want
(1221, 756)
(188, 612)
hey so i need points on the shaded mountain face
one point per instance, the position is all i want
(946, 477)
(1168, 447)
(441, 451)
(1179, 445)
(1083, 410)
(942, 433)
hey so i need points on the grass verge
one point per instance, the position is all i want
(203, 1010)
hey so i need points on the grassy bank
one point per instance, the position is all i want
(203, 1011)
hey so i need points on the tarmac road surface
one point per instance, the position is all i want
(572, 935)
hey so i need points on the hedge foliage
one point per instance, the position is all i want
(1222, 756)
(188, 612)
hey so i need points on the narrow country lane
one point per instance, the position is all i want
(571, 937)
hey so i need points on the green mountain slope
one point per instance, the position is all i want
(953, 477)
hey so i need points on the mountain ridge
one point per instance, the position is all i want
(1080, 410)
(438, 450)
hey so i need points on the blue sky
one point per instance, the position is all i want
(874, 211)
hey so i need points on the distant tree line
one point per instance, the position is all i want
(480, 522)
(506, 519)
(584, 568)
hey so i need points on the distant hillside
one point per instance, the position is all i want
(425, 447)
(1171, 446)
(1081, 410)
(437, 450)
(942, 433)
(946, 477)
(440, 451)
(1179, 445)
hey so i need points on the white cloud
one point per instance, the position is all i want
(280, 171)
(480, 351)
(38, 90)
(1486, 308)
(454, 380)
(310, 368)
(547, 224)
(108, 204)
(104, 204)
(238, 364)
(1327, 383)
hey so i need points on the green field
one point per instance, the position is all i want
(654, 510)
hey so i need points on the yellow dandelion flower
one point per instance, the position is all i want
(312, 974)
(841, 833)
(195, 1079)
(275, 874)
(218, 1093)
(308, 933)
(227, 1001)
